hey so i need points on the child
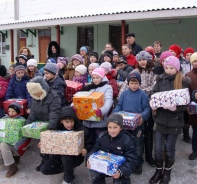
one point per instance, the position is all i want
(151, 51)
(176, 51)
(169, 119)
(91, 67)
(157, 48)
(111, 75)
(17, 86)
(119, 142)
(115, 58)
(23, 60)
(123, 68)
(93, 57)
(84, 50)
(55, 81)
(75, 61)
(56, 164)
(140, 104)
(80, 74)
(108, 57)
(9, 154)
(32, 70)
(11, 69)
(126, 51)
(99, 84)
(62, 64)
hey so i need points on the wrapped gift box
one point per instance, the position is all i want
(86, 104)
(10, 130)
(130, 120)
(71, 89)
(173, 97)
(22, 102)
(106, 163)
(193, 107)
(33, 130)
(62, 142)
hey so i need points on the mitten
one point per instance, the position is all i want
(98, 113)
(167, 106)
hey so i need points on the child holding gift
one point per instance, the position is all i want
(11, 156)
(99, 84)
(67, 163)
(91, 67)
(169, 119)
(81, 75)
(140, 104)
(119, 142)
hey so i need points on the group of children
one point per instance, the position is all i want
(127, 82)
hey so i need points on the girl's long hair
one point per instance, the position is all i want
(178, 80)
(149, 67)
(29, 73)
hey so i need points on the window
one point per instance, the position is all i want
(44, 32)
(2, 44)
(22, 35)
(85, 37)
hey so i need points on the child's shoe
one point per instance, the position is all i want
(12, 170)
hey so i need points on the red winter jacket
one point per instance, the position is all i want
(112, 81)
(131, 60)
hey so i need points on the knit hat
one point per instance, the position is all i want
(32, 62)
(3, 71)
(143, 55)
(19, 67)
(151, 51)
(23, 56)
(95, 65)
(81, 69)
(51, 60)
(130, 34)
(84, 48)
(63, 60)
(173, 61)
(122, 59)
(78, 57)
(51, 68)
(134, 75)
(193, 57)
(108, 53)
(176, 49)
(189, 50)
(164, 55)
(115, 53)
(16, 106)
(94, 54)
(99, 71)
(116, 118)
(106, 65)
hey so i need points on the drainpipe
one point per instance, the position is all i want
(58, 34)
(12, 45)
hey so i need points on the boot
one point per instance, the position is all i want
(148, 141)
(193, 155)
(186, 136)
(158, 174)
(38, 168)
(12, 170)
(17, 159)
(167, 172)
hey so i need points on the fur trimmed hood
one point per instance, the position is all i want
(56, 45)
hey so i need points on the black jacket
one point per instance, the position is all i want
(123, 73)
(136, 48)
(123, 144)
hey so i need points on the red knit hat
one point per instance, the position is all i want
(151, 51)
(189, 50)
(176, 49)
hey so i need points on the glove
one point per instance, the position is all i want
(98, 113)
(167, 106)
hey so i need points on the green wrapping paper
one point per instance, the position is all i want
(33, 130)
(10, 130)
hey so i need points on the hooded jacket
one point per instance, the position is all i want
(51, 54)
(47, 106)
(70, 72)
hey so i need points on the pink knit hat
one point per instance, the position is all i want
(164, 55)
(99, 71)
(173, 61)
(106, 65)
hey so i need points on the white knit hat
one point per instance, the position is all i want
(81, 69)
(106, 65)
(32, 62)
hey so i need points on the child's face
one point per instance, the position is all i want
(121, 65)
(113, 129)
(107, 59)
(93, 59)
(157, 48)
(115, 58)
(31, 68)
(83, 53)
(142, 63)
(68, 123)
(60, 65)
(76, 62)
(169, 69)
(194, 64)
(108, 47)
(11, 70)
(90, 70)
(134, 85)
(38, 94)
(187, 56)
(20, 73)
(12, 112)
(173, 53)
(77, 74)
(48, 75)
(21, 60)
(53, 49)
(126, 51)
(96, 79)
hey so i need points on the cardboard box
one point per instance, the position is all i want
(33, 130)
(193, 107)
(86, 104)
(71, 89)
(130, 120)
(22, 102)
(10, 130)
(62, 142)
(173, 97)
(105, 163)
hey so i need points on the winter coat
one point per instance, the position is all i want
(169, 122)
(18, 89)
(70, 72)
(123, 73)
(158, 54)
(123, 144)
(16, 117)
(131, 60)
(89, 78)
(112, 81)
(108, 101)
(136, 48)
(68, 111)
(186, 66)
(81, 79)
(51, 54)
(139, 100)
(59, 85)
(4, 82)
